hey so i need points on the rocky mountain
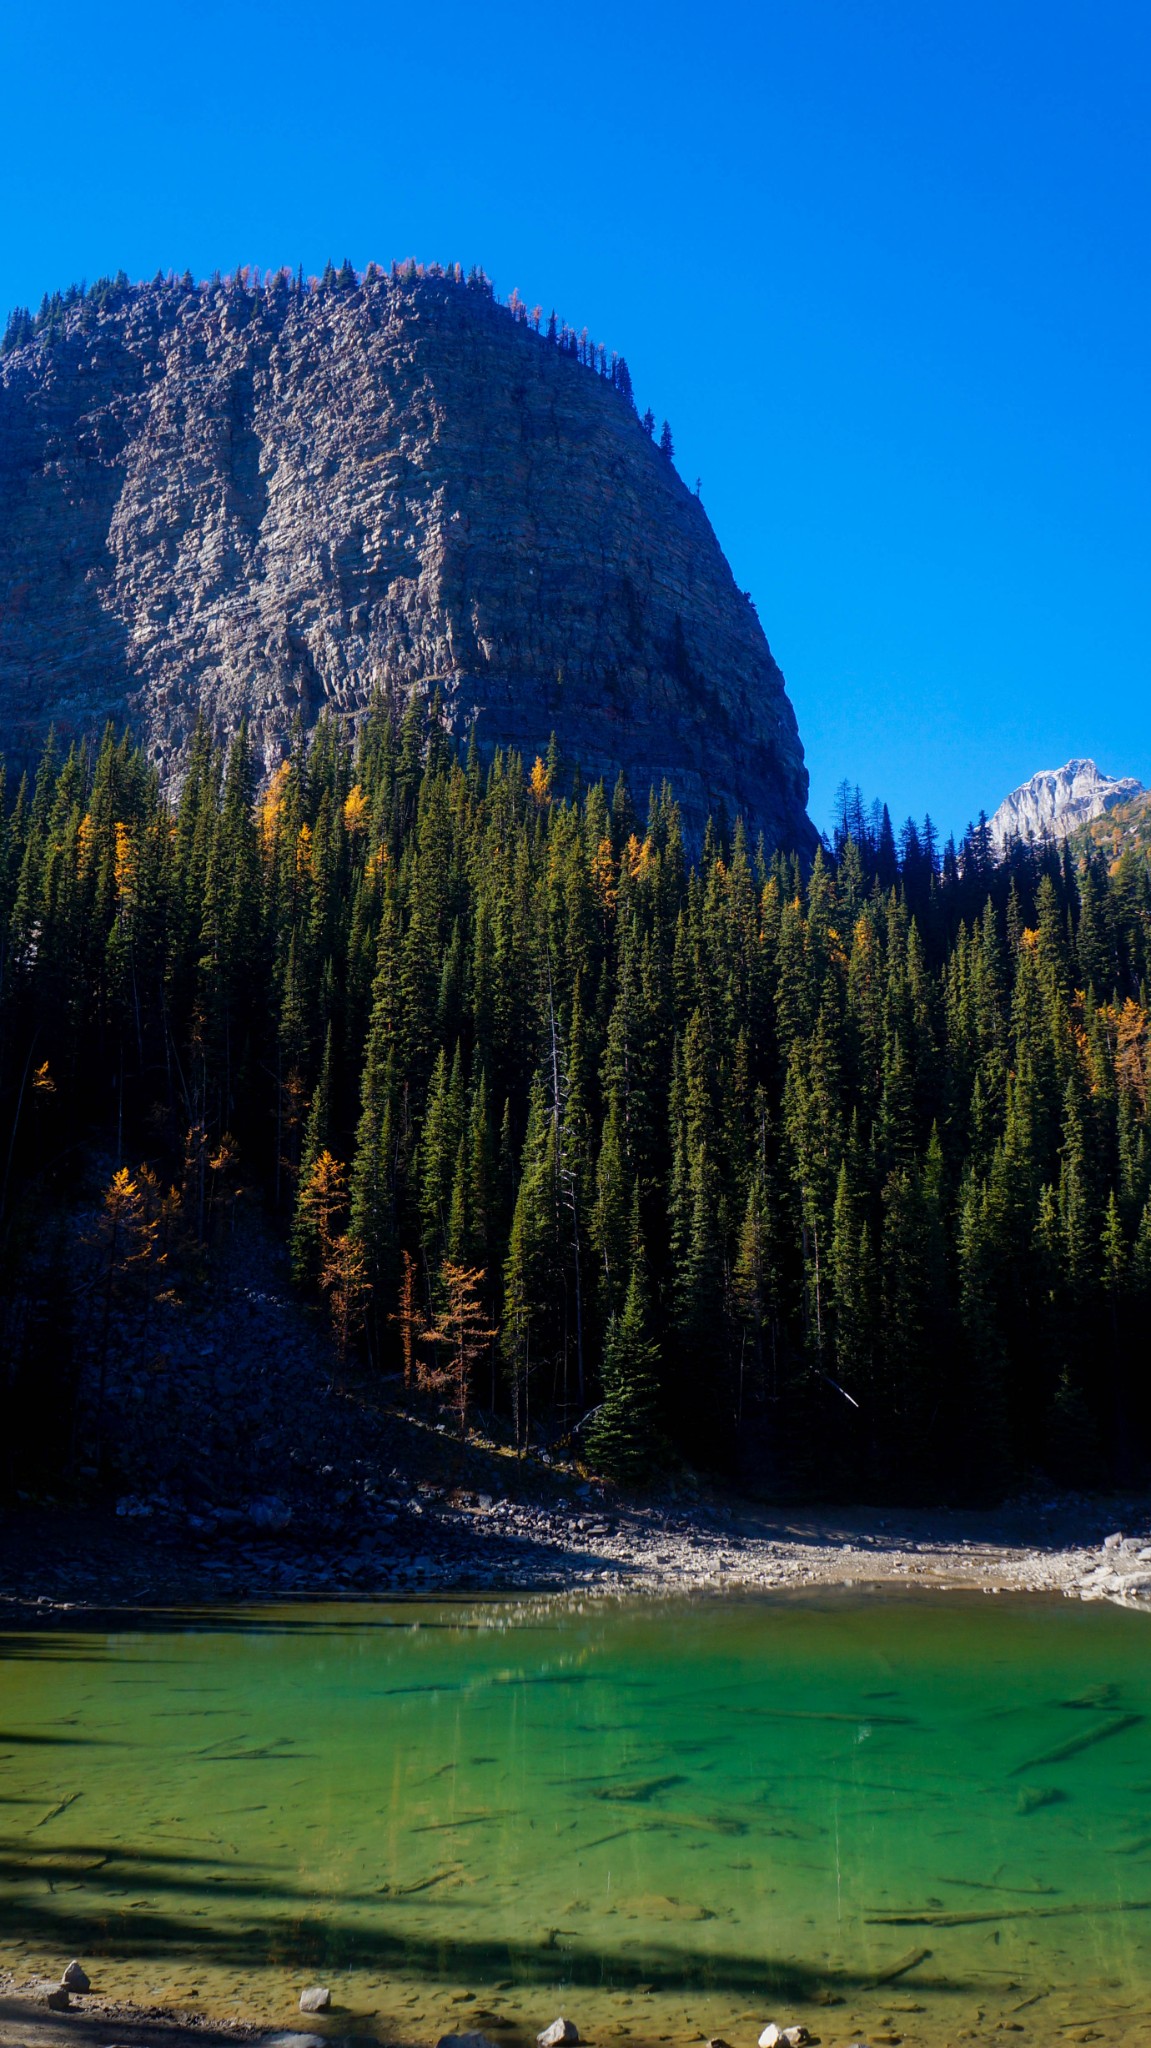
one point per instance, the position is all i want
(256, 499)
(1058, 800)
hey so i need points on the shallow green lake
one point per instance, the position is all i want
(671, 1820)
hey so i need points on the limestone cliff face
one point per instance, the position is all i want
(1058, 800)
(261, 502)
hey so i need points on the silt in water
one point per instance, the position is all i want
(926, 1816)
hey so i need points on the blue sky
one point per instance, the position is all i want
(884, 266)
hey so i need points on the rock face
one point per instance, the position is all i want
(258, 501)
(1058, 800)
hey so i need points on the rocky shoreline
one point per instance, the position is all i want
(382, 1539)
(27, 2018)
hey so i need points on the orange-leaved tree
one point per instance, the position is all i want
(343, 1270)
(134, 1235)
(344, 1279)
(409, 1321)
(462, 1330)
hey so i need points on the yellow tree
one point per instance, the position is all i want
(344, 1279)
(322, 1201)
(408, 1321)
(355, 812)
(126, 1234)
(223, 1165)
(343, 1271)
(163, 1221)
(1132, 1051)
(462, 1330)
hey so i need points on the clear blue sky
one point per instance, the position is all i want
(882, 263)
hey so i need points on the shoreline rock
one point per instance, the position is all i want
(440, 1543)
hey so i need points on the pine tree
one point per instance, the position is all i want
(887, 1121)
(307, 1251)
(622, 1435)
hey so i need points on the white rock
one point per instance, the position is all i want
(1056, 800)
(560, 2030)
(75, 1978)
(771, 2036)
(317, 1998)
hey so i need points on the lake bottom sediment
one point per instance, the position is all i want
(923, 1816)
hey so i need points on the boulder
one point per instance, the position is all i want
(271, 1514)
(560, 2030)
(317, 1998)
(75, 1978)
(57, 1999)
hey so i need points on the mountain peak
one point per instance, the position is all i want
(256, 500)
(1058, 800)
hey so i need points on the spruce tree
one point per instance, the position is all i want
(622, 1436)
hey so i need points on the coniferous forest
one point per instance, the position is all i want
(833, 1180)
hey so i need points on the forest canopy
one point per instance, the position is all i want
(835, 1180)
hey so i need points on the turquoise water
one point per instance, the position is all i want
(672, 1819)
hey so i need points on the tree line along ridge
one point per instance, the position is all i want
(79, 307)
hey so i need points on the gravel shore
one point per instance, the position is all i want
(425, 1538)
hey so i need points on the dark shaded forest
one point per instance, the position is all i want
(835, 1181)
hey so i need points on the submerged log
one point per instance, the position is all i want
(910, 1961)
(945, 1919)
(1102, 1732)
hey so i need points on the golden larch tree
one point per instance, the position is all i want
(461, 1329)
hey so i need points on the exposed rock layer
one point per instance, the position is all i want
(1058, 800)
(263, 502)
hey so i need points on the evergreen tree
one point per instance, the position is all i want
(622, 1435)
(886, 1120)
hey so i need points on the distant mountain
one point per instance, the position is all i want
(1059, 800)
